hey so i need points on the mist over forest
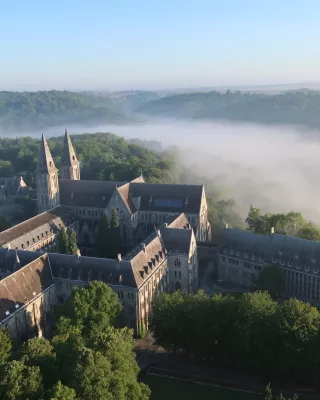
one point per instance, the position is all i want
(273, 168)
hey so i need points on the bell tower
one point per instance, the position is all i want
(46, 179)
(70, 166)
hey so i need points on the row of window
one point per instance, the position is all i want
(298, 266)
(260, 256)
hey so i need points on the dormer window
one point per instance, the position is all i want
(121, 279)
(245, 255)
(110, 278)
(260, 258)
(298, 266)
(315, 270)
(289, 263)
(307, 267)
(282, 262)
(313, 259)
(274, 260)
(231, 251)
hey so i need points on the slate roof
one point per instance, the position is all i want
(146, 256)
(84, 193)
(273, 248)
(68, 157)
(45, 160)
(177, 240)
(91, 268)
(189, 195)
(41, 225)
(24, 285)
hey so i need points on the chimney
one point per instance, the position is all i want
(271, 230)
(143, 246)
(119, 258)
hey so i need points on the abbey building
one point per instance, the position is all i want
(159, 228)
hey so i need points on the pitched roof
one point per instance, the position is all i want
(41, 225)
(177, 240)
(24, 285)
(45, 160)
(179, 222)
(275, 246)
(84, 268)
(146, 256)
(87, 193)
(168, 197)
(69, 157)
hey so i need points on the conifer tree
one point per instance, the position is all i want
(72, 245)
(63, 241)
(114, 219)
(114, 238)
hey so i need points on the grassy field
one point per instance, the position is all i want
(171, 389)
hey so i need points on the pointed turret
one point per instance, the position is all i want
(70, 166)
(45, 160)
(47, 179)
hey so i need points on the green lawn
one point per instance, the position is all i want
(171, 389)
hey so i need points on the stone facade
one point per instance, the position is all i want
(36, 281)
(243, 255)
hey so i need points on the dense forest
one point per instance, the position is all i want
(105, 156)
(277, 340)
(292, 107)
(87, 357)
(25, 111)
(39, 110)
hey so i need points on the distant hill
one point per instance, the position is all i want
(297, 107)
(26, 111)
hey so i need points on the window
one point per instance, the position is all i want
(172, 203)
(245, 255)
(177, 262)
(70, 273)
(289, 263)
(89, 275)
(274, 260)
(179, 274)
(282, 262)
(231, 251)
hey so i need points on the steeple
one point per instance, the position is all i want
(47, 179)
(45, 160)
(70, 166)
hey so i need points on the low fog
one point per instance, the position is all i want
(273, 168)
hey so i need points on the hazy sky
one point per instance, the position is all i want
(157, 43)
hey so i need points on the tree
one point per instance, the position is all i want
(258, 223)
(103, 235)
(92, 308)
(5, 346)
(309, 232)
(61, 392)
(63, 241)
(271, 279)
(39, 352)
(114, 236)
(72, 244)
(20, 382)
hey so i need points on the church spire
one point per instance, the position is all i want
(45, 160)
(69, 163)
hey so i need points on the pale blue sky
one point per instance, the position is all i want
(113, 44)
